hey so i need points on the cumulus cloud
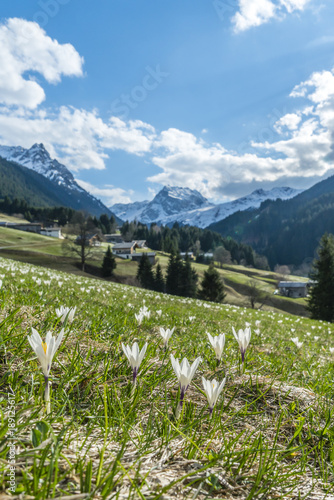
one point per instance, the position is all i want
(304, 150)
(210, 168)
(109, 194)
(81, 139)
(78, 138)
(253, 13)
(290, 121)
(26, 50)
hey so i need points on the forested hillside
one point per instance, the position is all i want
(191, 239)
(286, 232)
(37, 190)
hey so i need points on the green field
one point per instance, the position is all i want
(271, 434)
(46, 251)
(11, 218)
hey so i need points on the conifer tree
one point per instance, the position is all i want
(189, 278)
(174, 274)
(321, 301)
(145, 273)
(159, 282)
(108, 264)
(212, 286)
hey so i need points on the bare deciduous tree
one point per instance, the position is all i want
(78, 240)
(222, 256)
(255, 294)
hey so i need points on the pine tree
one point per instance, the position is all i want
(212, 286)
(108, 264)
(144, 273)
(159, 282)
(321, 301)
(174, 274)
(189, 278)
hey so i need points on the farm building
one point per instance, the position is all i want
(137, 256)
(114, 238)
(54, 232)
(123, 249)
(183, 255)
(293, 289)
(91, 240)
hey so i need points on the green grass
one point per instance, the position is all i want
(47, 251)
(271, 434)
(11, 218)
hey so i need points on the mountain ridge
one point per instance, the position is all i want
(286, 232)
(189, 207)
(38, 160)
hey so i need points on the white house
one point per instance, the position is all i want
(54, 232)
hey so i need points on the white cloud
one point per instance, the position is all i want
(306, 151)
(78, 138)
(109, 194)
(323, 85)
(81, 139)
(253, 13)
(25, 50)
(290, 121)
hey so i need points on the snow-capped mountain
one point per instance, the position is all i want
(186, 206)
(167, 205)
(39, 160)
(129, 211)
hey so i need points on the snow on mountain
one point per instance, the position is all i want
(185, 206)
(39, 160)
(167, 205)
(129, 211)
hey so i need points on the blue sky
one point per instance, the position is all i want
(222, 96)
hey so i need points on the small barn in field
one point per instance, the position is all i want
(293, 289)
(138, 255)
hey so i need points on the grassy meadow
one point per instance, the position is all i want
(271, 434)
(46, 251)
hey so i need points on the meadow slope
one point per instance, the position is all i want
(45, 251)
(271, 434)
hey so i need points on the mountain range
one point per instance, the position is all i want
(286, 232)
(189, 207)
(42, 178)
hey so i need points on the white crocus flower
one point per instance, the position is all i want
(217, 343)
(64, 312)
(166, 335)
(45, 352)
(212, 390)
(243, 338)
(135, 357)
(139, 317)
(296, 342)
(331, 350)
(145, 312)
(184, 373)
(159, 313)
